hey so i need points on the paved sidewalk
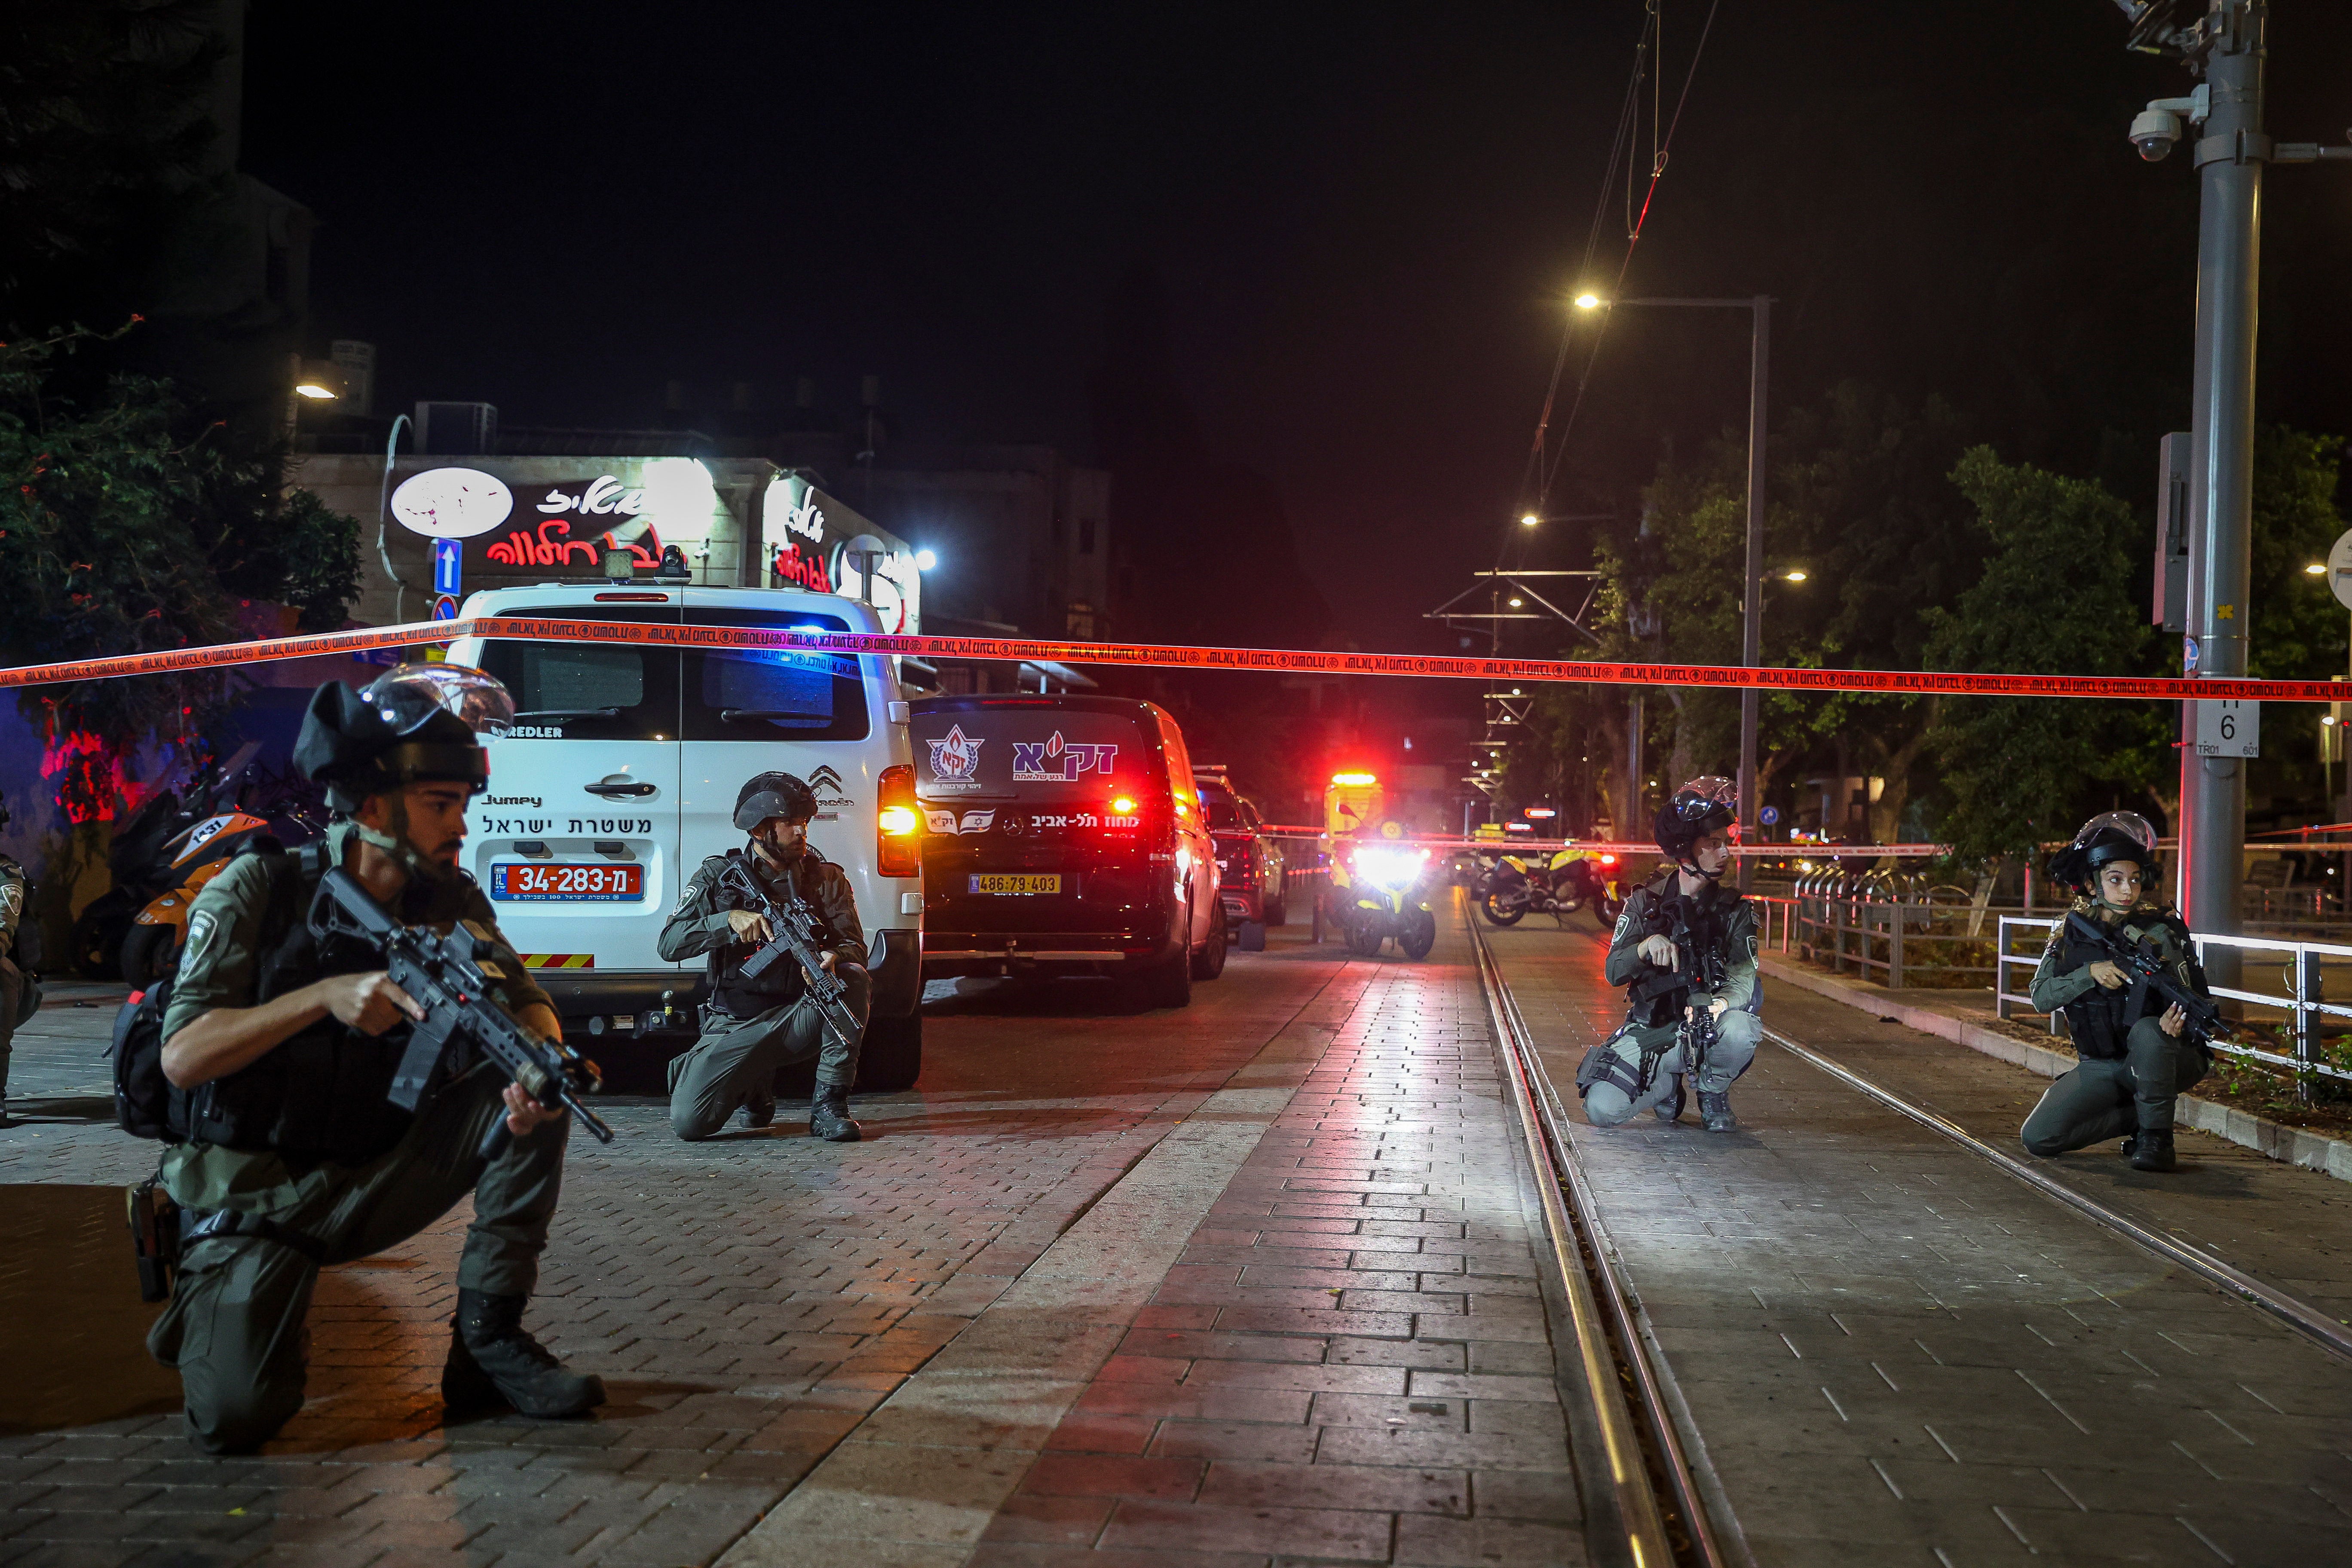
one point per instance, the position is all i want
(1248, 1283)
(1898, 1355)
(748, 1300)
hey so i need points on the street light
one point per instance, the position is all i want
(1751, 631)
(1529, 520)
(2316, 569)
(925, 560)
(1796, 575)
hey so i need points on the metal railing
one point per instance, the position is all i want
(1898, 942)
(2301, 995)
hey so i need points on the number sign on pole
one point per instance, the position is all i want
(2227, 728)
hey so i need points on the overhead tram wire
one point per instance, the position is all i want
(1546, 471)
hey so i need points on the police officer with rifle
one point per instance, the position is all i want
(297, 1134)
(1684, 949)
(2122, 968)
(788, 980)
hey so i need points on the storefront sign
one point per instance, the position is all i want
(604, 496)
(550, 547)
(452, 504)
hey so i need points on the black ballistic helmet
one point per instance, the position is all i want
(2110, 835)
(774, 794)
(1701, 807)
(416, 723)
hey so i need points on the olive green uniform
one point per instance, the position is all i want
(13, 980)
(1615, 1097)
(738, 1051)
(234, 1328)
(2100, 1098)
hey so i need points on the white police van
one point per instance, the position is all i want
(621, 774)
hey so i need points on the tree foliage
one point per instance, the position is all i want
(2059, 595)
(133, 526)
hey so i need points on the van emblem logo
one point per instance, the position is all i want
(957, 758)
(1060, 762)
(825, 778)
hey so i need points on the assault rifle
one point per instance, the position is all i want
(1698, 965)
(448, 976)
(2148, 973)
(1698, 955)
(795, 928)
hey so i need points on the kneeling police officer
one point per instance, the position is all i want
(752, 1027)
(1683, 945)
(2133, 1052)
(280, 1049)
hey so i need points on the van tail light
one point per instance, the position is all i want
(898, 827)
(1609, 859)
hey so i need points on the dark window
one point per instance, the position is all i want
(1086, 536)
(1224, 815)
(580, 691)
(773, 694)
(573, 692)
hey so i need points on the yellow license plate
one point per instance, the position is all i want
(1016, 885)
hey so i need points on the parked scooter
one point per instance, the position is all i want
(1572, 880)
(1381, 892)
(247, 802)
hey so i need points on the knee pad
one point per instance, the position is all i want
(1603, 1064)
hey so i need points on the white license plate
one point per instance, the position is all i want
(555, 882)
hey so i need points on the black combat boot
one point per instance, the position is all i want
(1671, 1108)
(1715, 1109)
(2151, 1150)
(759, 1107)
(493, 1363)
(829, 1115)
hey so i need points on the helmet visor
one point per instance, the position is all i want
(407, 695)
(2130, 824)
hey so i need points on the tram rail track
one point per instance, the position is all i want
(1686, 1517)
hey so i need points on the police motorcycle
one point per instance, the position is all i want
(144, 862)
(1381, 889)
(247, 800)
(1571, 879)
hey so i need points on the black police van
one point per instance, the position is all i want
(1065, 835)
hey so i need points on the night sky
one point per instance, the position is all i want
(1364, 219)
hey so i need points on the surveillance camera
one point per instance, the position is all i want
(2153, 131)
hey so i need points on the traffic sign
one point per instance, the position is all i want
(448, 567)
(1769, 815)
(2339, 569)
(445, 608)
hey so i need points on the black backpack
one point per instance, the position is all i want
(146, 1105)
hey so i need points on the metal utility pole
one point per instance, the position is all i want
(2226, 42)
(1751, 631)
(2230, 157)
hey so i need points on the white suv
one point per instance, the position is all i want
(621, 775)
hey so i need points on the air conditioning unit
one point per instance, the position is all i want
(457, 429)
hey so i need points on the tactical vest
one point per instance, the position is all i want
(321, 1094)
(2097, 1020)
(781, 982)
(1658, 995)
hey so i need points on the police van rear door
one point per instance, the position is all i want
(576, 839)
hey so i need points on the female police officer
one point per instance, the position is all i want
(1683, 943)
(2134, 1053)
(281, 1047)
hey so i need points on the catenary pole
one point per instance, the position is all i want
(2230, 155)
(1751, 631)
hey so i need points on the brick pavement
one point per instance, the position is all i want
(1348, 1361)
(1896, 1355)
(750, 1302)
